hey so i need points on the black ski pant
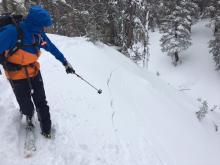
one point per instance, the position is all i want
(28, 100)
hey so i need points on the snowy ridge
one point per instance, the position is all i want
(138, 120)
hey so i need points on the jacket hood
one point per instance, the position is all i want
(37, 19)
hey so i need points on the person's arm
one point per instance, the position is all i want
(50, 47)
(8, 38)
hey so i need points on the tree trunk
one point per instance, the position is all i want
(176, 55)
(130, 25)
(5, 5)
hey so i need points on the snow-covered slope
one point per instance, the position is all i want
(196, 76)
(138, 120)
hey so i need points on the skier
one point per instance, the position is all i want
(22, 68)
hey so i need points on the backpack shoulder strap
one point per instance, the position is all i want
(20, 36)
(19, 42)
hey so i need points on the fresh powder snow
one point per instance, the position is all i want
(140, 119)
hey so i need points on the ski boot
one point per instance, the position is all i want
(47, 135)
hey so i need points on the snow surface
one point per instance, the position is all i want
(138, 120)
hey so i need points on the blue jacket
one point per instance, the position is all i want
(32, 27)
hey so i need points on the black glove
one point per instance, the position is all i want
(69, 68)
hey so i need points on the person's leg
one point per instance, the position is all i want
(23, 95)
(40, 102)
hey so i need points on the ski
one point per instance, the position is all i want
(29, 142)
(27, 138)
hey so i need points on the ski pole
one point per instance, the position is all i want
(98, 90)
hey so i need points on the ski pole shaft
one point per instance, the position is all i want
(98, 90)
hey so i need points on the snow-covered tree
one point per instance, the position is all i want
(213, 12)
(214, 46)
(139, 50)
(13, 6)
(202, 4)
(193, 10)
(176, 30)
(97, 21)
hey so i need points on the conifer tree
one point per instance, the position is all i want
(176, 30)
(214, 45)
(213, 12)
(193, 10)
(154, 10)
(13, 6)
(139, 51)
(202, 5)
